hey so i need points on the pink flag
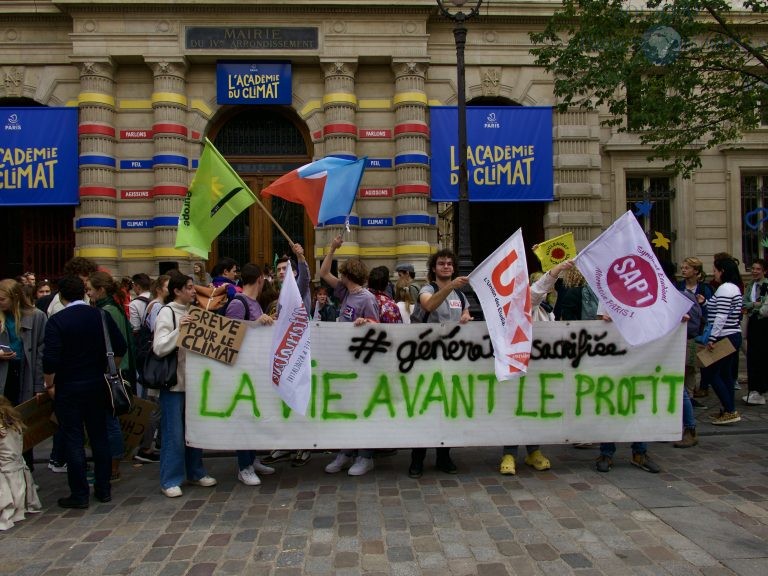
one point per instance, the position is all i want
(501, 285)
(626, 276)
(291, 359)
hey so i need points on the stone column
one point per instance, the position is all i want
(415, 218)
(340, 137)
(96, 223)
(170, 162)
(577, 207)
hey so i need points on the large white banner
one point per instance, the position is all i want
(393, 385)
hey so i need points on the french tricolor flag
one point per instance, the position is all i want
(326, 188)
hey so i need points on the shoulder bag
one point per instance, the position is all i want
(159, 372)
(119, 396)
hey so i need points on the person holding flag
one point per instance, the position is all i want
(443, 301)
(539, 291)
(245, 306)
(359, 306)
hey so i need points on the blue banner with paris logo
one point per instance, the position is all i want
(509, 154)
(38, 156)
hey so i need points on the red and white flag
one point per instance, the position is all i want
(501, 285)
(291, 358)
(626, 276)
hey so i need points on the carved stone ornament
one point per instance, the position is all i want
(410, 68)
(13, 79)
(340, 68)
(491, 81)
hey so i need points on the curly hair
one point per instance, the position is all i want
(432, 262)
(355, 270)
(573, 278)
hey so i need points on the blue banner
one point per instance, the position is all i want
(253, 83)
(38, 156)
(509, 154)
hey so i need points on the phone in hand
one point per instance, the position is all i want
(5, 349)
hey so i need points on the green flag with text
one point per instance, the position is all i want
(215, 197)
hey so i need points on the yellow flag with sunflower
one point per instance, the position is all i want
(215, 197)
(555, 250)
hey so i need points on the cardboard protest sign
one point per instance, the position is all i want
(394, 385)
(212, 335)
(720, 350)
(40, 421)
(37, 416)
(136, 422)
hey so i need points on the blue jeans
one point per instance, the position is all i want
(177, 460)
(245, 458)
(609, 448)
(115, 437)
(720, 375)
(688, 419)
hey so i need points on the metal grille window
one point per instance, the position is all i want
(260, 133)
(650, 199)
(754, 206)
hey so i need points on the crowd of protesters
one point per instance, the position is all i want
(52, 345)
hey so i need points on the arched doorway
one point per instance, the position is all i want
(262, 144)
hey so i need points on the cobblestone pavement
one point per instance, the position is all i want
(706, 513)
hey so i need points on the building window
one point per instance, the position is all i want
(650, 199)
(754, 207)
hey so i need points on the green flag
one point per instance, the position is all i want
(215, 197)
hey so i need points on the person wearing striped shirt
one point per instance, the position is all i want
(724, 314)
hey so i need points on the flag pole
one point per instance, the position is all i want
(269, 214)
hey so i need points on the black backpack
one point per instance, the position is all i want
(143, 343)
(245, 305)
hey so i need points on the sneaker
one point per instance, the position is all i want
(57, 467)
(361, 466)
(341, 462)
(538, 461)
(416, 470)
(644, 461)
(715, 415)
(147, 457)
(301, 458)
(604, 463)
(276, 456)
(248, 477)
(727, 418)
(753, 398)
(261, 468)
(172, 492)
(736, 386)
(507, 466)
(205, 481)
(446, 465)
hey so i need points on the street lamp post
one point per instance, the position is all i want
(455, 11)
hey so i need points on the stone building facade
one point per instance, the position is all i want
(144, 78)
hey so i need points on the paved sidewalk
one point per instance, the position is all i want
(706, 513)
